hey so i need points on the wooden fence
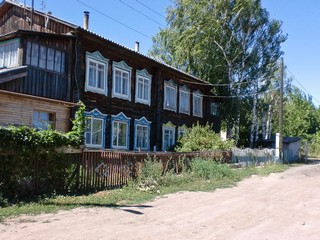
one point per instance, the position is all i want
(110, 169)
(87, 170)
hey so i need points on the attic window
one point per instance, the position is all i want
(45, 57)
(9, 53)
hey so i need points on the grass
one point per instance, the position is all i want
(203, 175)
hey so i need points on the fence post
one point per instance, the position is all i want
(306, 151)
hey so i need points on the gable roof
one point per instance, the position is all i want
(5, 4)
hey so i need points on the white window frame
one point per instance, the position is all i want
(166, 102)
(120, 119)
(197, 110)
(9, 53)
(95, 115)
(142, 122)
(168, 127)
(184, 90)
(98, 59)
(123, 68)
(146, 79)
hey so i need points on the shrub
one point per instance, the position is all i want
(150, 177)
(201, 138)
(208, 169)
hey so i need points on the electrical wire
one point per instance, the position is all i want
(150, 9)
(150, 18)
(302, 85)
(113, 19)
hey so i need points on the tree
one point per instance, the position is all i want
(301, 117)
(223, 42)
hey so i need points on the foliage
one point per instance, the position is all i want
(301, 118)
(208, 169)
(24, 139)
(202, 138)
(29, 162)
(314, 145)
(222, 41)
(150, 176)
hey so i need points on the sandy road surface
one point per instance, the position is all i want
(280, 206)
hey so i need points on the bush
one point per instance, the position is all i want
(202, 138)
(208, 169)
(29, 163)
(150, 177)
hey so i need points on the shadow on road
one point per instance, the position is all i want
(313, 161)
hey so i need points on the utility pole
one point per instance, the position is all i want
(281, 111)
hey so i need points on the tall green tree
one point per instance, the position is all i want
(223, 42)
(301, 118)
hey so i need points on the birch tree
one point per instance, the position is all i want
(223, 42)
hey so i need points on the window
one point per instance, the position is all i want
(142, 134)
(121, 80)
(143, 87)
(95, 129)
(120, 131)
(9, 53)
(170, 96)
(96, 73)
(45, 57)
(214, 109)
(197, 104)
(184, 100)
(168, 136)
(43, 120)
(182, 130)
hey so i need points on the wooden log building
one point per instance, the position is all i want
(133, 102)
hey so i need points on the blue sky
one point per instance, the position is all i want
(301, 21)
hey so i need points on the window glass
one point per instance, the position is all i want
(9, 53)
(43, 120)
(197, 105)
(119, 134)
(142, 137)
(57, 61)
(168, 138)
(97, 131)
(34, 54)
(45, 57)
(184, 102)
(50, 61)
(170, 97)
(94, 129)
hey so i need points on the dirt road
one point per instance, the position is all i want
(280, 206)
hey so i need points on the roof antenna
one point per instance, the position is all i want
(43, 5)
(32, 10)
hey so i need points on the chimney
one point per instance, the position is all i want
(136, 46)
(86, 20)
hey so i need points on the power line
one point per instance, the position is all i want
(150, 18)
(239, 96)
(151, 9)
(113, 19)
(302, 85)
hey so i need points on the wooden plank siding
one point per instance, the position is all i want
(43, 82)
(17, 109)
(14, 16)
(70, 85)
(160, 73)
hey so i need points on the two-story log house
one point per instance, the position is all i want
(133, 102)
